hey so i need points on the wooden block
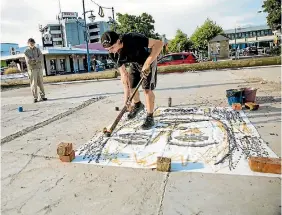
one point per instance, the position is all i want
(236, 106)
(251, 105)
(64, 149)
(68, 158)
(265, 165)
(163, 164)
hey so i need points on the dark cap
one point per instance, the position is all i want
(109, 38)
(31, 40)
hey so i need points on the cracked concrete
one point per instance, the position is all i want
(34, 181)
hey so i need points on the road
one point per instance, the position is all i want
(34, 181)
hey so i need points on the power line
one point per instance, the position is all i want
(100, 5)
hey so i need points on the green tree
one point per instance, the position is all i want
(273, 9)
(204, 34)
(180, 42)
(143, 24)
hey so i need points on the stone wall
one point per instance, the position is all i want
(221, 48)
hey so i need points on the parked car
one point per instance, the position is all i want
(3, 70)
(252, 50)
(110, 64)
(178, 58)
(100, 66)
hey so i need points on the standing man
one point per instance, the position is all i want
(141, 52)
(94, 63)
(33, 58)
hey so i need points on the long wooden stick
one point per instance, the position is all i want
(109, 132)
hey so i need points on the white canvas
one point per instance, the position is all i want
(208, 140)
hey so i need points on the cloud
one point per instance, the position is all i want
(20, 21)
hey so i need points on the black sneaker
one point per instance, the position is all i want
(135, 110)
(148, 123)
(44, 99)
(35, 100)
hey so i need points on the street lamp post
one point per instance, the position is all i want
(235, 38)
(113, 11)
(86, 38)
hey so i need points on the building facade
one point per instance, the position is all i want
(260, 36)
(96, 29)
(57, 60)
(70, 30)
(74, 32)
(56, 32)
(8, 49)
(218, 46)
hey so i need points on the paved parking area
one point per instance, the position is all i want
(34, 181)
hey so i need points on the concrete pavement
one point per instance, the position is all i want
(34, 181)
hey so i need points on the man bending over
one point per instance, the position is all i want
(141, 52)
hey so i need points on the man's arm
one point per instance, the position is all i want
(156, 48)
(125, 81)
(27, 58)
(40, 56)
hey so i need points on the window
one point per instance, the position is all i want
(55, 28)
(166, 59)
(94, 41)
(258, 33)
(262, 33)
(94, 33)
(240, 35)
(56, 35)
(177, 57)
(57, 43)
(93, 26)
(53, 65)
(247, 35)
(63, 64)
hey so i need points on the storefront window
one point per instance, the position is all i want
(63, 64)
(53, 65)
(258, 33)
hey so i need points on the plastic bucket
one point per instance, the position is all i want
(234, 96)
(250, 94)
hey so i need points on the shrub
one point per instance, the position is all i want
(12, 70)
(276, 51)
(221, 65)
(64, 78)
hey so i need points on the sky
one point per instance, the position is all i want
(20, 18)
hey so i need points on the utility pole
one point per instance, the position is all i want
(86, 38)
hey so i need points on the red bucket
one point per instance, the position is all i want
(250, 94)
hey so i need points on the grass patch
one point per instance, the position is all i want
(64, 78)
(12, 70)
(266, 61)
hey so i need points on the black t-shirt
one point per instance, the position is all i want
(135, 49)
